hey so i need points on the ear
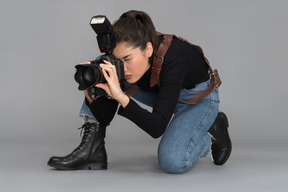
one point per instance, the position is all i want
(149, 49)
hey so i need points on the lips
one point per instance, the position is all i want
(128, 77)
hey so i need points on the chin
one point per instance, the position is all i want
(131, 81)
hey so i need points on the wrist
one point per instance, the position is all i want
(124, 100)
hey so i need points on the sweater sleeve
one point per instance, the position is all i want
(155, 122)
(143, 118)
(183, 66)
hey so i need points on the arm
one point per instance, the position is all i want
(155, 122)
(112, 86)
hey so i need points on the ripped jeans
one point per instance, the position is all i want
(185, 140)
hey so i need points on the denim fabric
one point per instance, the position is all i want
(85, 111)
(185, 140)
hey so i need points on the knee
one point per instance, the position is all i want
(171, 163)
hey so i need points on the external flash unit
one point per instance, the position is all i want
(104, 30)
(88, 75)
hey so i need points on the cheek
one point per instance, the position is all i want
(141, 63)
(137, 66)
(133, 66)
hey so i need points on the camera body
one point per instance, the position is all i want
(88, 75)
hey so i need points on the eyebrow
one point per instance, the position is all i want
(126, 56)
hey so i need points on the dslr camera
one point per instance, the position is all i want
(88, 75)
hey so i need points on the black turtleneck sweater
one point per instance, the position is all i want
(183, 67)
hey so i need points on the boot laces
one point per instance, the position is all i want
(84, 127)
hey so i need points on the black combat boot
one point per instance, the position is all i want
(90, 154)
(221, 143)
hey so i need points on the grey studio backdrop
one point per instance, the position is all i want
(41, 41)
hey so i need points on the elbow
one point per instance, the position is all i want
(157, 134)
(154, 136)
(158, 131)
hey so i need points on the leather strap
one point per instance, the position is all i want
(215, 79)
(131, 90)
(205, 92)
(159, 58)
(157, 64)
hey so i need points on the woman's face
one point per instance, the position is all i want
(136, 61)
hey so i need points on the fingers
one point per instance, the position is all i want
(89, 96)
(101, 85)
(86, 62)
(107, 65)
(109, 71)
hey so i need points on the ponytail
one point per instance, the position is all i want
(136, 29)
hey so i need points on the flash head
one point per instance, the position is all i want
(88, 75)
(101, 25)
(97, 20)
(104, 30)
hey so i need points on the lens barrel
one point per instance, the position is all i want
(88, 75)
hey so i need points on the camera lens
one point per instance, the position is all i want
(88, 76)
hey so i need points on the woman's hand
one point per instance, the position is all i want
(112, 87)
(89, 96)
(86, 62)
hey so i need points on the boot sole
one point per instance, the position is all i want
(88, 166)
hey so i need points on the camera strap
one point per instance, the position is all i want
(157, 64)
(159, 58)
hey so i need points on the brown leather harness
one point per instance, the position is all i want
(157, 64)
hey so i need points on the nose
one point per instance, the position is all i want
(125, 68)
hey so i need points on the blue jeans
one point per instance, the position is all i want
(185, 140)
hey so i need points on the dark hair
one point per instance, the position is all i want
(136, 29)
